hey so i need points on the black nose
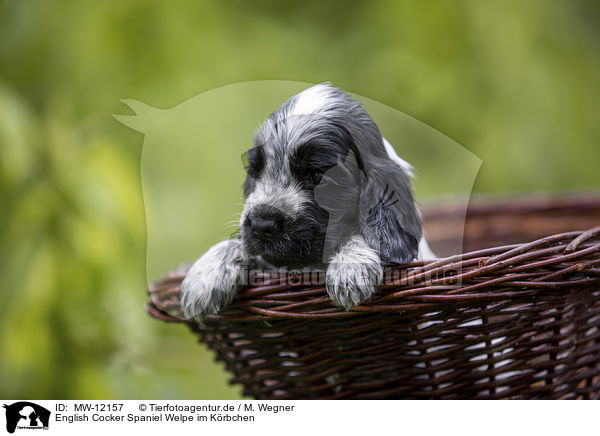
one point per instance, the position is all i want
(266, 222)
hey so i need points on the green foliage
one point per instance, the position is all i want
(517, 83)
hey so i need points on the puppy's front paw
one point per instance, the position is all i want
(353, 273)
(213, 280)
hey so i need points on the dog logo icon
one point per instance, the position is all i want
(26, 415)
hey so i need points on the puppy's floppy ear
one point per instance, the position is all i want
(390, 220)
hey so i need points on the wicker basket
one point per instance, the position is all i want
(518, 320)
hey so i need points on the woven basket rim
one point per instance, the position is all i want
(472, 278)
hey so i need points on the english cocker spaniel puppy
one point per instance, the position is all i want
(323, 189)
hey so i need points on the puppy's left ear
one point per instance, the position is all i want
(390, 220)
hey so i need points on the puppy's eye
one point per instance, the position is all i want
(315, 177)
(254, 161)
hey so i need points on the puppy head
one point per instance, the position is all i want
(297, 152)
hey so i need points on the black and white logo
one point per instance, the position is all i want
(26, 415)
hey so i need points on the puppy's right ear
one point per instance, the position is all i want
(391, 222)
(395, 243)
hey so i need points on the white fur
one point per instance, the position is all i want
(408, 169)
(355, 269)
(425, 253)
(213, 280)
(353, 273)
(287, 199)
(310, 100)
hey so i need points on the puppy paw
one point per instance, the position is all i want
(353, 273)
(213, 280)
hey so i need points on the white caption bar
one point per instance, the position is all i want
(299, 417)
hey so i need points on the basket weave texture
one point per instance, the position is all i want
(516, 316)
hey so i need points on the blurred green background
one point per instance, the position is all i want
(515, 82)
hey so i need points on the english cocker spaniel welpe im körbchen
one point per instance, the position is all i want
(323, 189)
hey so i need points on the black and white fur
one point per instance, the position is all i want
(319, 170)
